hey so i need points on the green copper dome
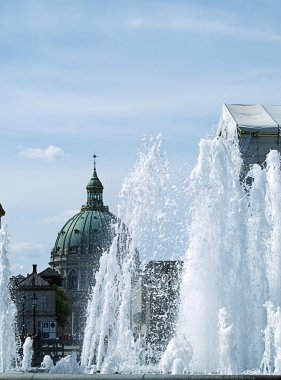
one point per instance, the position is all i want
(89, 231)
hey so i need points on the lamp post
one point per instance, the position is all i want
(23, 298)
(34, 305)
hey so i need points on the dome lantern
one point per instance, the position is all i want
(94, 189)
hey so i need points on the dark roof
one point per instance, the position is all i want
(53, 277)
(34, 280)
(2, 211)
(49, 272)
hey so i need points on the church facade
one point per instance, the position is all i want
(78, 248)
(76, 255)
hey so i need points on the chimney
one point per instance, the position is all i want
(34, 271)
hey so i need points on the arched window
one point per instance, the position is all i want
(72, 280)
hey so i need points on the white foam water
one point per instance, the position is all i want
(47, 362)
(229, 318)
(66, 365)
(148, 211)
(232, 265)
(27, 354)
(8, 341)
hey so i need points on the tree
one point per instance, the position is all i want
(62, 307)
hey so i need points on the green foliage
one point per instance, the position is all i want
(62, 307)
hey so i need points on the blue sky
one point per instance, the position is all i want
(84, 76)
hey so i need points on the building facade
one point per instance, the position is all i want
(155, 302)
(78, 248)
(35, 298)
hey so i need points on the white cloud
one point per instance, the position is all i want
(50, 153)
(62, 217)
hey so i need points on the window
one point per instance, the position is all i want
(42, 303)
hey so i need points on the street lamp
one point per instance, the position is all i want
(23, 298)
(34, 305)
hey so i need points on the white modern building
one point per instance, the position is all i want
(257, 127)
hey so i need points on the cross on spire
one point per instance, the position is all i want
(94, 157)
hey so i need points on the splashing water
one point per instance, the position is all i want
(47, 362)
(148, 204)
(67, 365)
(229, 318)
(176, 357)
(149, 214)
(213, 256)
(27, 354)
(227, 349)
(232, 265)
(8, 342)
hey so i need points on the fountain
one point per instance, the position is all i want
(229, 318)
(232, 264)
(232, 270)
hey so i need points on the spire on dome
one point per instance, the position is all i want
(95, 170)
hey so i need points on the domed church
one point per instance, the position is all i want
(78, 249)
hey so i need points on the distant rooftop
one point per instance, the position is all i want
(258, 128)
(253, 118)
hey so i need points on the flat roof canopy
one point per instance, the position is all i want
(253, 118)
